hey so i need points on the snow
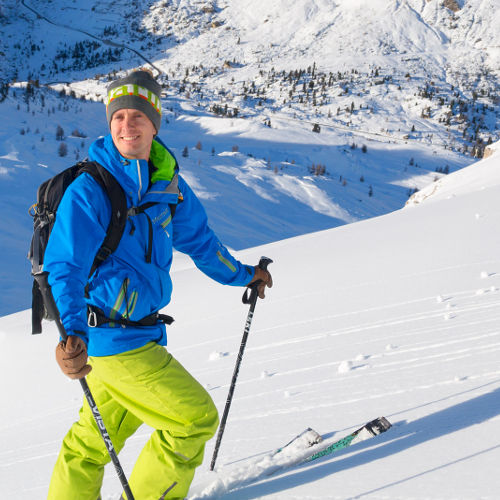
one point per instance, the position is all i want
(378, 317)
(376, 309)
(484, 174)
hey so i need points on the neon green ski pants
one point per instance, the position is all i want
(146, 385)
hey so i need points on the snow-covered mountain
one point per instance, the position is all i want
(396, 315)
(398, 94)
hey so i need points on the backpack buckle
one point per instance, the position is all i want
(103, 253)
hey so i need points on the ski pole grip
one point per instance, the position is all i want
(251, 293)
(264, 262)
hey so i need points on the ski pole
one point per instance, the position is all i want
(252, 300)
(50, 304)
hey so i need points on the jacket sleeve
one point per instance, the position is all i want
(192, 235)
(79, 230)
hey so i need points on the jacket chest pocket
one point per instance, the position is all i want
(161, 228)
(144, 222)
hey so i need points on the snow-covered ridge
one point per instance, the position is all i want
(293, 31)
(484, 174)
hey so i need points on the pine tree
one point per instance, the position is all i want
(63, 149)
(59, 133)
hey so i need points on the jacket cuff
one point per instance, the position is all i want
(78, 333)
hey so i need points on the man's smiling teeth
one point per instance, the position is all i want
(131, 138)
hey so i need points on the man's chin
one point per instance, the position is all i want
(129, 152)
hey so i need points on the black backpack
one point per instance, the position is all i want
(49, 196)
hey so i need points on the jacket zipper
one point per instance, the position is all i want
(140, 179)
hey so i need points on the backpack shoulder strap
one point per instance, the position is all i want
(118, 219)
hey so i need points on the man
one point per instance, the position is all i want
(133, 378)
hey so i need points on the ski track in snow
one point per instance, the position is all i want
(449, 295)
(426, 353)
(435, 313)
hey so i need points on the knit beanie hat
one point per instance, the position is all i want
(138, 90)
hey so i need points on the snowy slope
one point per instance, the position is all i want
(285, 32)
(261, 193)
(396, 316)
(412, 83)
(483, 174)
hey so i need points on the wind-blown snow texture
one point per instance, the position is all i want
(397, 315)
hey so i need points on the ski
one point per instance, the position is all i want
(369, 430)
(310, 438)
(305, 439)
(303, 448)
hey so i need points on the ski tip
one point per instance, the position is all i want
(378, 426)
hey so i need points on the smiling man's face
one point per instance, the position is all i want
(132, 132)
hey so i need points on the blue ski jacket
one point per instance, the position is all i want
(125, 285)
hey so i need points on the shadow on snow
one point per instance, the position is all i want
(401, 437)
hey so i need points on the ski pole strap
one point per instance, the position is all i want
(96, 317)
(250, 293)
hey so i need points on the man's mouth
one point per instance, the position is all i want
(130, 138)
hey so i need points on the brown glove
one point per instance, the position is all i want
(72, 357)
(265, 280)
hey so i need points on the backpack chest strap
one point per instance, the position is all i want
(96, 317)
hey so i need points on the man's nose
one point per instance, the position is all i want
(128, 121)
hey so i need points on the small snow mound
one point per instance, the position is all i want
(480, 291)
(362, 357)
(439, 299)
(345, 366)
(390, 347)
(217, 355)
(484, 275)
(265, 374)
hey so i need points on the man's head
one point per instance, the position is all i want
(138, 90)
(134, 113)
